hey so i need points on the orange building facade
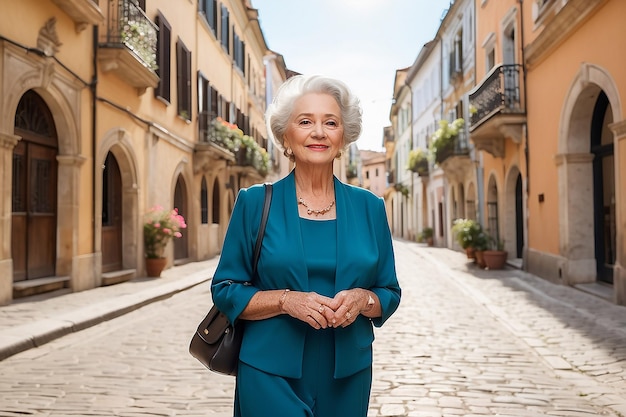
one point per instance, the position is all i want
(549, 123)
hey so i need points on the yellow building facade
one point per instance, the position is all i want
(109, 109)
(549, 124)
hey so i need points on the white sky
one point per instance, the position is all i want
(361, 42)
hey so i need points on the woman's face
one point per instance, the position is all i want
(315, 129)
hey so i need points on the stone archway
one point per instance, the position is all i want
(118, 142)
(185, 248)
(62, 95)
(575, 172)
(492, 215)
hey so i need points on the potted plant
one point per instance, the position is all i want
(442, 141)
(160, 226)
(495, 255)
(247, 152)
(466, 232)
(481, 244)
(418, 161)
(426, 235)
(402, 189)
(140, 36)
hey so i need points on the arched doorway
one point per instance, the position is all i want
(603, 189)
(470, 202)
(583, 171)
(34, 191)
(462, 208)
(216, 203)
(181, 245)
(111, 215)
(512, 227)
(493, 223)
(519, 217)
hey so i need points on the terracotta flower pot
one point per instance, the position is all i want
(154, 266)
(480, 258)
(495, 259)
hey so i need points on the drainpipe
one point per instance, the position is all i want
(411, 199)
(444, 233)
(92, 88)
(526, 146)
(525, 134)
(480, 170)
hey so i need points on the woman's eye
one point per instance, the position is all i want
(332, 123)
(305, 122)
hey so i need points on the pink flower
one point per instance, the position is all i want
(159, 227)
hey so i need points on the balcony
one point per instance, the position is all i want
(128, 45)
(82, 12)
(449, 141)
(456, 148)
(418, 162)
(497, 110)
(221, 141)
(453, 157)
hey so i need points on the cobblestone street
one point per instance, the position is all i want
(464, 342)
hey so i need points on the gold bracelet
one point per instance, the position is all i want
(282, 299)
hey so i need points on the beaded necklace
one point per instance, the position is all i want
(320, 212)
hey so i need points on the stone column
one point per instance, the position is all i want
(84, 269)
(7, 144)
(576, 229)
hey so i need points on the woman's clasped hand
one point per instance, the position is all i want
(321, 312)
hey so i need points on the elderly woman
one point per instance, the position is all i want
(326, 273)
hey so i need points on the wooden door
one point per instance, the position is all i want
(34, 191)
(33, 234)
(111, 215)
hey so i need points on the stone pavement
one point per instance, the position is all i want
(497, 343)
(464, 341)
(33, 321)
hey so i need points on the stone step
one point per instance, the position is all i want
(39, 286)
(115, 277)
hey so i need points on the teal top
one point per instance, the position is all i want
(319, 238)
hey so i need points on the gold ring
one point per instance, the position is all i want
(348, 315)
(321, 309)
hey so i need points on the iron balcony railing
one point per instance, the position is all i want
(458, 146)
(245, 149)
(499, 93)
(127, 25)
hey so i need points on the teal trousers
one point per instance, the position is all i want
(316, 394)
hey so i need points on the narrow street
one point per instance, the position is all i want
(464, 342)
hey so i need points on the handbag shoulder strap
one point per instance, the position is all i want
(259, 238)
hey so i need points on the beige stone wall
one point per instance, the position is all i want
(154, 147)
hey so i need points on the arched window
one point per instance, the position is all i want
(216, 202)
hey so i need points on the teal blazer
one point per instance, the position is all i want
(365, 259)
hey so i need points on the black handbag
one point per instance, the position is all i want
(216, 342)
